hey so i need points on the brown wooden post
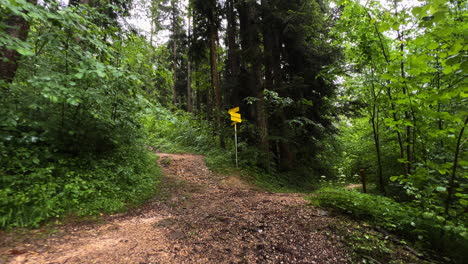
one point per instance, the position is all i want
(362, 172)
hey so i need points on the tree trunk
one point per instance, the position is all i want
(189, 67)
(197, 90)
(409, 130)
(376, 133)
(215, 79)
(409, 155)
(174, 53)
(268, 85)
(286, 157)
(16, 27)
(451, 186)
(399, 137)
(389, 93)
(233, 65)
(267, 46)
(251, 45)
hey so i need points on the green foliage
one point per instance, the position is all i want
(70, 131)
(370, 246)
(422, 226)
(404, 79)
(181, 132)
(177, 132)
(33, 191)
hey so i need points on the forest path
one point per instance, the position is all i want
(199, 217)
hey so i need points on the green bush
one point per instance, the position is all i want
(422, 226)
(70, 130)
(32, 191)
(177, 132)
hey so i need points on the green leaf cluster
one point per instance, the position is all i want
(408, 221)
(71, 139)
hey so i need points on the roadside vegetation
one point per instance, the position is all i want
(325, 90)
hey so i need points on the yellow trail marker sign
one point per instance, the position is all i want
(233, 110)
(236, 117)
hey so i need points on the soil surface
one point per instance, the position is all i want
(198, 217)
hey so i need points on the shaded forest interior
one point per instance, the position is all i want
(324, 89)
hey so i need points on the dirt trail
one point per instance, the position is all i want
(200, 217)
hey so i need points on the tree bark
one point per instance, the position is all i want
(189, 67)
(376, 133)
(389, 93)
(286, 157)
(409, 130)
(251, 45)
(451, 186)
(215, 86)
(268, 84)
(174, 52)
(233, 65)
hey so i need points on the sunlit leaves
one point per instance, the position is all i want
(414, 59)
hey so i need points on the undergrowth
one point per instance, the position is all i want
(423, 227)
(368, 245)
(34, 190)
(182, 132)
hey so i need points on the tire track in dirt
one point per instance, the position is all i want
(199, 217)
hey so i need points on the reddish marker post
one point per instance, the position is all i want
(362, 172)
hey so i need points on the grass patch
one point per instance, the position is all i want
(370, 246)
(424, 228)
(77, 187)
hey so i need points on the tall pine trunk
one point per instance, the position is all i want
(189, 66)
(251, 42)
(215, 85)
(268, 85)
(286, 156)
(233, 63)
(174, 52)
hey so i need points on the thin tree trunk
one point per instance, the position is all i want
(174, 53)
(399, 137)
(376, 133)
(197, 91)
(233, 54)
(451, 186)
(189, 69)
(208, 104)
(268, 84)
(256, 81)
(286, 158)
(152, 23)
(409, 154)
(215, 86)
(389, 93)
(189, 87)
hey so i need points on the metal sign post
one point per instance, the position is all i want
(236, 118)
(235, 139)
